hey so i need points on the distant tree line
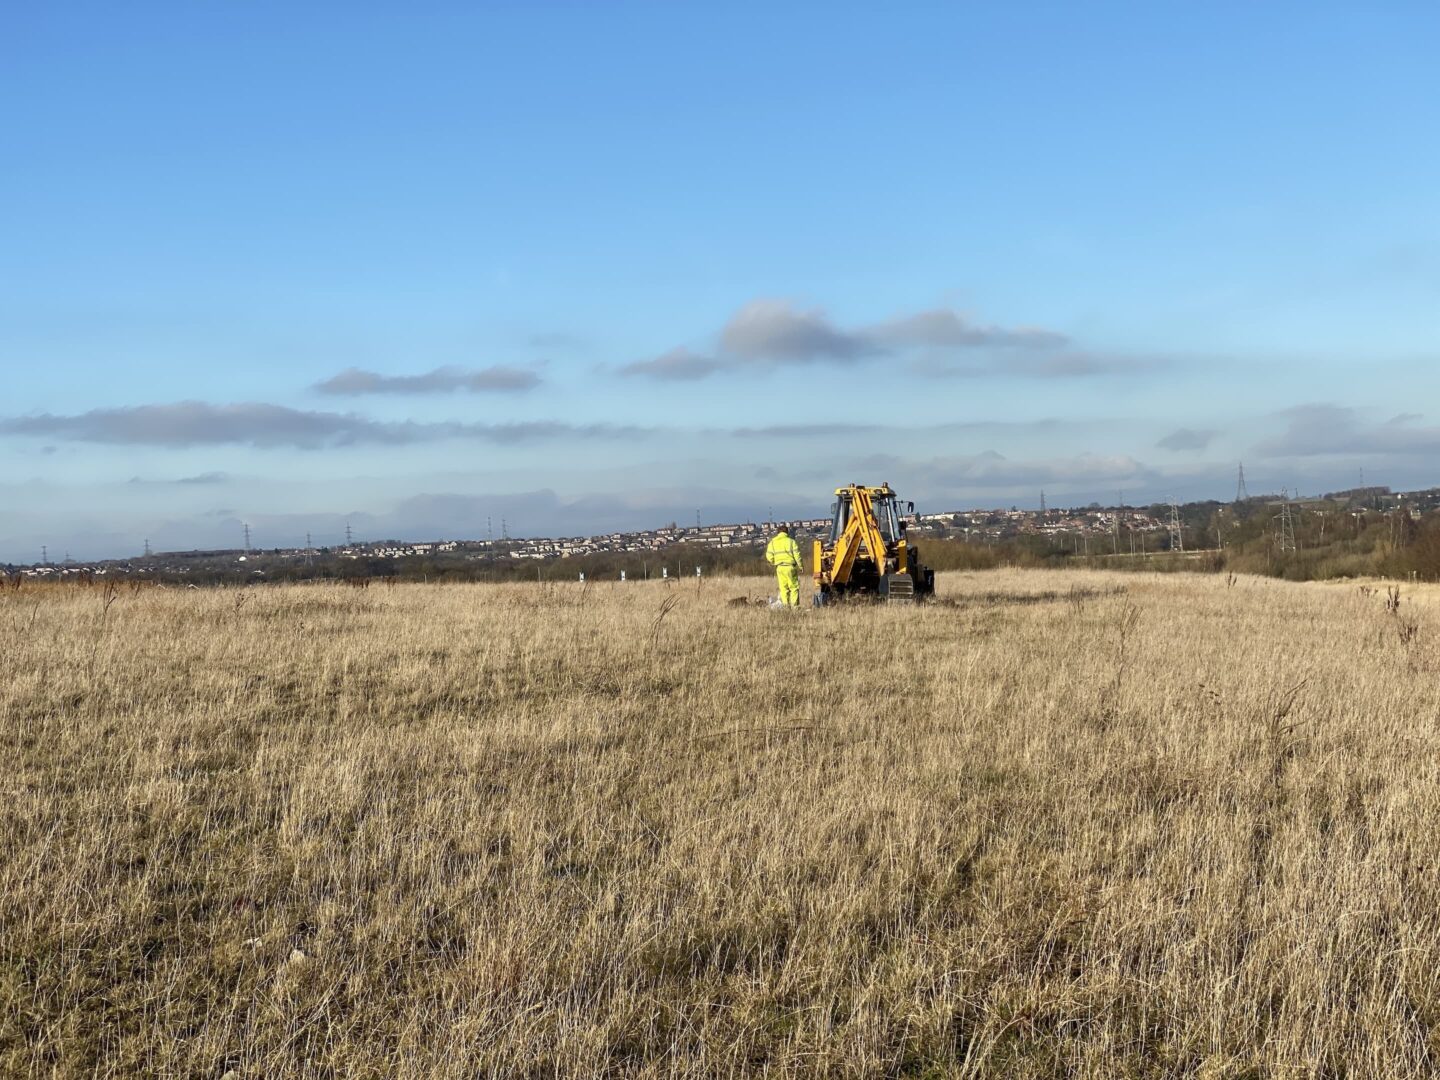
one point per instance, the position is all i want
(1325, 539)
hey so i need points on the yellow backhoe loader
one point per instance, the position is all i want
(866, 553)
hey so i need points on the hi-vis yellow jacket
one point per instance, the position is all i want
(782, 551)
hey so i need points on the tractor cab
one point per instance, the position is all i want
(886, 508)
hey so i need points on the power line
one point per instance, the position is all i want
(1177, 528)
(1287, 528)
(1287, 523)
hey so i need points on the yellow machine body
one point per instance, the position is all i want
(866, 552)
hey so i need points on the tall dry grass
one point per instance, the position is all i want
(1060, 824)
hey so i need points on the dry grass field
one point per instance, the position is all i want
(1055, 825)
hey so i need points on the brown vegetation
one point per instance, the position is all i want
(1063, 824)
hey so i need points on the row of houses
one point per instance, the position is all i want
(975, 524)
(390, 550)
(747, 534)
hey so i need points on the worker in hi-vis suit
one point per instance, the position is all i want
(783, 553)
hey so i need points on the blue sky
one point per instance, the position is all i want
(585, 266)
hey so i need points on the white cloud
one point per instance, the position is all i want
(680, 365)
(945, 328)
(1321, 429)
(777, 332)
(442, 380)
(1187, 439)
(257, 424)
(769, 333)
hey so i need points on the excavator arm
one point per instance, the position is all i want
(861, 531)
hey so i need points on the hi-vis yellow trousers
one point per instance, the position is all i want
(788, 580)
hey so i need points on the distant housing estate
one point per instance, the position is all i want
(1125, 527)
